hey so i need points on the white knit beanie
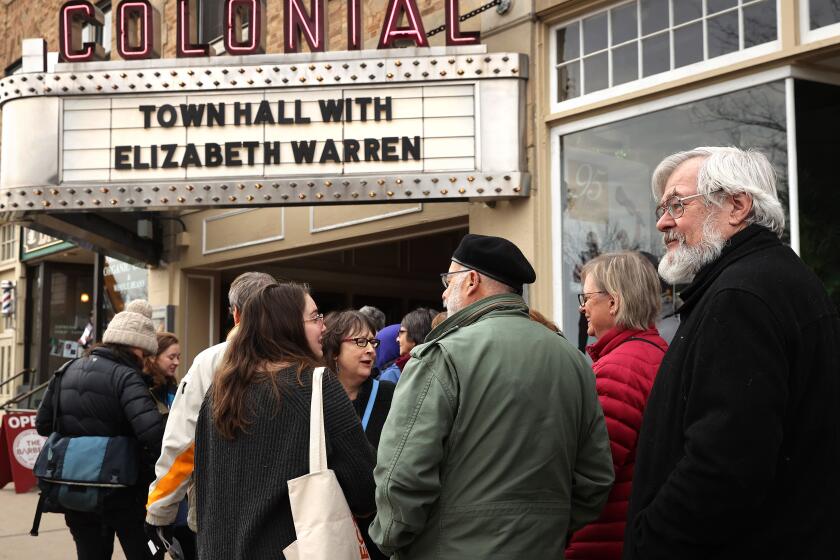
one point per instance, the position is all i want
(133, 327)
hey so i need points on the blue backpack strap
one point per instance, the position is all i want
(369, 407)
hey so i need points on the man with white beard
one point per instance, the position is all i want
(740, 443)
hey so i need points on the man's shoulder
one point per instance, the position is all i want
(209, 355)
(768, 274)
(206, 362)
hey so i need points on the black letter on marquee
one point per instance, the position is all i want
(239, 112)
(379, 107)
(389, 148)
(271, 152)
(121, 157)
(216, 114)
(331, 109)
(137, 163)
(281, 113)
(232, 153)
(329, 152)
(192, 114)
(409, 148)
(169, 156)
(212, 154)
(251, 147)
(299, 119)
(351, 150)
(190, 156)
(371, 149)
(363, 102)
(303, 151)
(264, 115)
(147, 111)
(163, 120)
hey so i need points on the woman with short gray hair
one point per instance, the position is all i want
(621, 301)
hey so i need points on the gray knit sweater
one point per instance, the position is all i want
(242, 497)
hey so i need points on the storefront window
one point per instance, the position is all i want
(607, 204)
(646, 37)
(123, 282)
(61, 302)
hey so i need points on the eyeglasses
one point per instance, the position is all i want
(676, 205)
(362, 342)
(318, 318)
(444, 276)
(583, 298)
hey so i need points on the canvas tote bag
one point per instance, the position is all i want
(324, 526)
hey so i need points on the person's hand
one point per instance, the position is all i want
(160, 539)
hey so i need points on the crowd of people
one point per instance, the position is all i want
(481, 431)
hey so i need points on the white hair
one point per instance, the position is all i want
(729, 171)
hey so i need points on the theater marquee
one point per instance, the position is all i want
(435, 124)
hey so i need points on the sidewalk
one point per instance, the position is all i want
(54, 541)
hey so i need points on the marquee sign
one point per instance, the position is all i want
(270, 130)
(138, 29)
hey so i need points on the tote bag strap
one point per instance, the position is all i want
(317, 438)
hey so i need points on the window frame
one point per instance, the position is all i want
(807, 35)
(786, 73)
(655, 79)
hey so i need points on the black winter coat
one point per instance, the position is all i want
(105, 395)
(740, 443)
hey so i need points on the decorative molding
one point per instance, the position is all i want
(206, 251)
(377, 217)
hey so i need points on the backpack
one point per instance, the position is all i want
(78, 473)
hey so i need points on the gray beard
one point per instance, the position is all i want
(453, 303)
(680, 265)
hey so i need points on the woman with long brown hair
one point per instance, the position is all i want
(159, 370)
(253, 430)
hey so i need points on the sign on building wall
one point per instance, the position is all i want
(355, 127)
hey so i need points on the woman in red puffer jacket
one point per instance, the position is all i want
(621, 300)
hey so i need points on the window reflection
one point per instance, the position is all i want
(606, 170)
(123, 283)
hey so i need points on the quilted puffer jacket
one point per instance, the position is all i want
(625, 362)
(104, 395)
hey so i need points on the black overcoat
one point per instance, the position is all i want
(739, 451)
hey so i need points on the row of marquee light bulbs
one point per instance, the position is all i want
(9, 88)
(247, 198)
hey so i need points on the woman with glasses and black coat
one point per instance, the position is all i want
(350, 352)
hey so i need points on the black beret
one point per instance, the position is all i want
(497, 258)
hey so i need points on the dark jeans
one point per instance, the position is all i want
(94, 534)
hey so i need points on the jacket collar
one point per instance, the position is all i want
(510, 303)
(104, 352)
(747, 241)
(609, 341)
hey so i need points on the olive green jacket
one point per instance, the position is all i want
(495, 445)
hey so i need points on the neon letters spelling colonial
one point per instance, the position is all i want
(138, 28)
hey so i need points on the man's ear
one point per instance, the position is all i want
(742, 204)
(473, 282)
